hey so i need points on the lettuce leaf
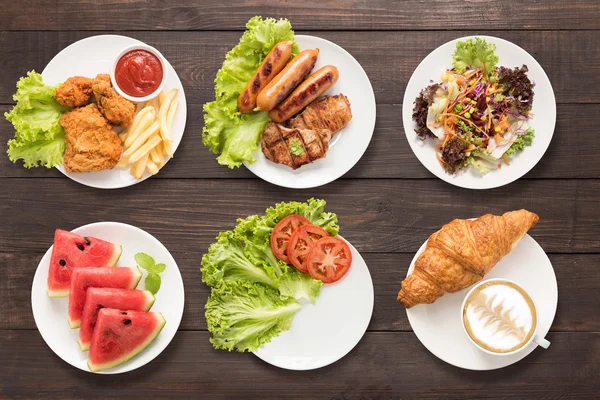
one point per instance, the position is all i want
(474, 53)
(521, 142)
(235, 136)
(244, 316)
(39, 137)
(255, 295)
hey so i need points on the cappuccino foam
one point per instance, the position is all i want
(500, 316)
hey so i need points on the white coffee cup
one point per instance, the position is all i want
(535, 337)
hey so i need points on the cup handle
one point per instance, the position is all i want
(540, 341)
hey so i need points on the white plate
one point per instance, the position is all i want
(348, 145)
(95, 55)
(50, 314)
(326, 331)
(438, 325)
(544, 111)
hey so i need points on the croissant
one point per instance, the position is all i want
(461, 253)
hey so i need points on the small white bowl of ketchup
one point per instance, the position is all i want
(139, 73)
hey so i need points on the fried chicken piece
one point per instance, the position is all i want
(117, 109)
(327, 112)
(75, 91)
(92, 143)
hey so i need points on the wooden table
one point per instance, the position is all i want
(388, 204)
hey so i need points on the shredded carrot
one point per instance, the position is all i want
(505, 160)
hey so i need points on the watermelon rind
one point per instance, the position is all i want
(150, 299)
(134, 352)
(65, 292)
(136, 280)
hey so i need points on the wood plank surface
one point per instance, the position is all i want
(376, 215)
(577, 275)
(388, 204)
(381, 366)
(570, 58)
(388, 155)
(311, 14)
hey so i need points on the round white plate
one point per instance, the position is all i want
(348, 145)
(50, 314)
(544, 111)
(438, 326)
(95, 55)
(339, 319)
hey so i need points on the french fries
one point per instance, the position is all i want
(148, 142)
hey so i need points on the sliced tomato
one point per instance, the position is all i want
(329, 259)
(301, 242)
(282, 232)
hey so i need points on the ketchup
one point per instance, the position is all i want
(138, 73)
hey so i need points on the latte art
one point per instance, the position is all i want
(500, 316)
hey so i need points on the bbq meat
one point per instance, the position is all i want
(327, 112)
(92, 143)
(294, 147)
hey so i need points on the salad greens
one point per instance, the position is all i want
(235, 136)
(475, 53)
(479, 112)
(255, 295)
(152, 281)
(39, 137)
(244, 316)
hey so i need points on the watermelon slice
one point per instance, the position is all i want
(71, 251)
(98, 298)
(121, 335)
(102, 277)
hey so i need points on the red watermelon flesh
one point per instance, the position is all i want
(102, 277)
(99, 298)
(121, 335)
(72, 251)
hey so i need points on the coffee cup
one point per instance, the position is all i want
(500, 318)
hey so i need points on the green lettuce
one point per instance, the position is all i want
(482, 161)
(241, 267)
(474, 53)
(244, 316)
(39, 137)
(521, 142)
(235, 136)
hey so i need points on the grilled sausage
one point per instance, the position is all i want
(273, 63)
(314, 86)
(283, 84)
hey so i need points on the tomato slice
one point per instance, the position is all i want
(329, 259)
(301, 243)
(283, 231)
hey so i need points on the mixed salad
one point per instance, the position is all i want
(260, 270)
(479, 112)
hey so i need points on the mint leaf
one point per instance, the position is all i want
(159, 268)
(152, 282)
(145, 261)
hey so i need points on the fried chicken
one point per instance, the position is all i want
(116, 109)
(92, 143)
(75, 91)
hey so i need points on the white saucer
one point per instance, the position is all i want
(348, 146)
(96, 55)
(326, 331)
(544, 115)
(438, 325)
(50, 314)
